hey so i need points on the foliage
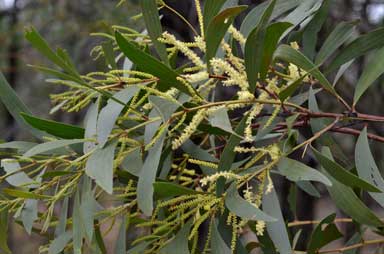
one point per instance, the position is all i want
(192, 170)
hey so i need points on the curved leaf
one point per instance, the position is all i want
(297, 171)
(372, 71)
(54, 128)
(50, 146)
(242, 208)
(99, 166)
(179, 244)
(109, 114)
(367, 168)
(254, 48)
(342, 175)
(145, 189)
(347, 201)
(358, 47)
(218, 27)
(337, 37)
(152, 22)
(164, 190)
(291, 55)
(149, 64)
(276, 229)
(218, 245)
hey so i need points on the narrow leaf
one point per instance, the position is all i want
(58, 245)
(152, 22)
(15, 106)
(50, 146)
(297, 171)
(346, 200)
(211, 9)
(276, 229)
(218, 245)
(54, 128)
(179, 244)
(242, 208)
(372, 71)
(254, 48)
(145, 189)
(149, 64)
(109, 114)
(337, 37)
(342, 175)
(217, 29)
(358, 47)
(165, 190)
(24, 194)
(100, 166)
(291, 55)
(367, 168)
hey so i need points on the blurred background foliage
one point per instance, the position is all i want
(68, 24)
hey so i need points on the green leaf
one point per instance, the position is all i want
(4, 232)
(337, 37)
(29, 214)
(24, 194)
(54, 128)
(109, 54)
(100, 166)
(145, 189)
(342, 175)
(165, 190)
(313, 28)
(309, 188)
(77, 228)
(291, 55)
(291, 88)
(21, 146)
(91, 127)
(358, 47)
(297, 171)
(218, 27)
(221, 120)
(58, 245)
(253, 17)
(228, 156)
(347, 201)
(254, 48)
(20, 179)
(133, 162)
(109, 114)
(164, 107)
(242, 208)
(324, 233)
(272, 37)
(15, 106)
(318, 124)
(121, 247)
(149, 64)
(50, 146)
(179, 244)
(276, 229)
(211, 9)
(367, 168)
(152, 22)
(60, 228)
(218, 245)
(371, 72)
(302, 13)
(42, 46)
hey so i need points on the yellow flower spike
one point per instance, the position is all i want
(239, 37)
(200, 16)
(190, 129)
(203, 163)
(260, 227)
